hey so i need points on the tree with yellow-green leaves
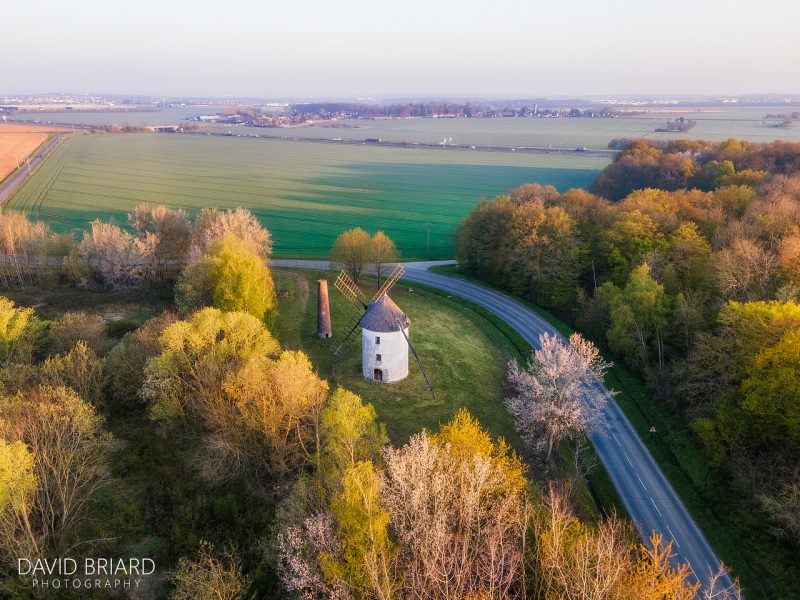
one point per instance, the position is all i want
(350, 433)
(250, 405)
(20, 332)
(352, 251)
(382, 251)
(230, 277)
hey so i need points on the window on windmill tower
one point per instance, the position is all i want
(378, 340)
(378, 357)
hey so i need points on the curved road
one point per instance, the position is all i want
(649, 498)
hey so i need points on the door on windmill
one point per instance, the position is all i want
(378, 375)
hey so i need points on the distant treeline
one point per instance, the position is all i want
(429, 109)
(676, 164)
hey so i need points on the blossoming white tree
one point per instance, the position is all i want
(553, 396)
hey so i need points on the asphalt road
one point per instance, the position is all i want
(16, 179)
(649, 498)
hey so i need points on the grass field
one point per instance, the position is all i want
(17, 142)
(305, 193)
(456, 345)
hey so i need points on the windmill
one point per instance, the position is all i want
(384, 331)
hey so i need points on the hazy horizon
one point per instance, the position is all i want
(350, 49)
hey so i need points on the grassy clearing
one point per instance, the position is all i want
(459, 344)
(457, 348)
(306, 194)
(121, 309)
(738, 538)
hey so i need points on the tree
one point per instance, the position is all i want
(276, 403)
(213, 225)
(20, 332)
(70, 449)
(164, 237)
(546, 256)
(230, 277)
(770, 394)
(23, 244)
(789, 258)
(572, 561)
(250, 407)
(73, 327)
(352, 251)
(350, 433)
(209, 338)
(211, 575)
(631, 237)
(713, 174)
(112, 254)
(79, 369)
(366, 561)
(382, 251)
(458, 510)
(783, 508)
(549, 401)
(481, 239)
(639, 316)
(746, 271)
(123, 367)
(690, 255)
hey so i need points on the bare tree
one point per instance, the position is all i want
(459, 518)
(113, 254)
(571, 561)
(553, 397)
(212, 225)
(211, 575)
(23, 245)
(164, 237)
(746, 271)
(299, 548)
(721, 587)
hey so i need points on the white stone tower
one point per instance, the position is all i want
(384, 348)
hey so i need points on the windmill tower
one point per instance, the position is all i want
(384, 349)
(384, 331)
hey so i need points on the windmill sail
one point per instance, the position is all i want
(398, 272)
(350, 290)
(355, 324)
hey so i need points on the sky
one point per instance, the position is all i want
(348, 48)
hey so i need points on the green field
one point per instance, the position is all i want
(305, 193)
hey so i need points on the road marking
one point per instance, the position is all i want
(616, 440)
(642, 482)
(656, 507)
(674, 539)
(626, 458)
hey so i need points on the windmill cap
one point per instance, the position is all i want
(384, 315)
